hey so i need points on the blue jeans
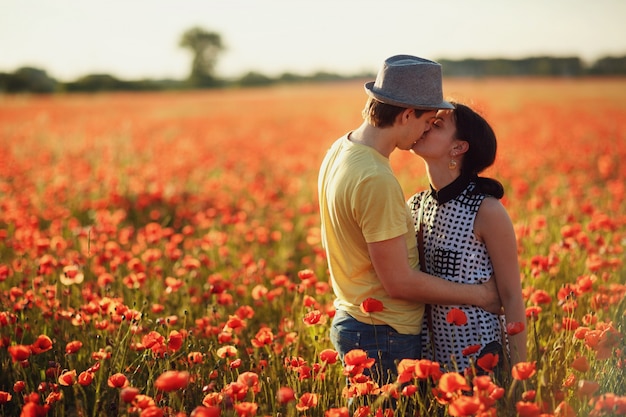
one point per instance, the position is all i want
(381, 342)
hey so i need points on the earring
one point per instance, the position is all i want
(452, 165)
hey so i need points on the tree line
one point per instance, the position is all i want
(206, 46)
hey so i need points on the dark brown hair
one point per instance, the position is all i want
(380, 114)
(474, 129)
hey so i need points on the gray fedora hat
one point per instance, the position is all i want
(409, 81)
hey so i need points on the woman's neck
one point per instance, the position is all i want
(440, 176)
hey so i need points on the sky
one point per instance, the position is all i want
(136, 39)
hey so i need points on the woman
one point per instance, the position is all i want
(465, 235)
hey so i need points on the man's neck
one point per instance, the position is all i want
(374, 137)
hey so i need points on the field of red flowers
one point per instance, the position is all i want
(160, 254)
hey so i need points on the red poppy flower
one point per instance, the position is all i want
(406, 370)
(117, 380)
(234, 322)
(306, 274)
(356, 361)
(195, 357)
(515, 328)
(172, 380)
(175, 341)
(533, 312)
(19, 352)
(452, 382)
(540, 297)
(337, 412)
(390, 390)
(358, 357)
(285, 395)
(225, 336)
(314, 317)
(202, 411)
(456, 317)
(587, 388)
(409, 390)
(580, 364)
(306, 401)
(251, 380)
(329, 356)
(569, 381)
(263, 337)
(71, 275)
(236, 391)
(85, 378)
(68, 378)
(172, 284)
(19, 386)
(425, 369)
(523, 370)
(470, 350)
(488, 361)
(128, 394)
(246, 409)
(363, 411)
(152, 411)
(33, 409)
(151, 339)
(529, 395)
(581, 332)
(371, 305)
(5, 397)
(143, 401)
(610, 404)
(42, 344)
(73, 347)
(564, 410)
(54, 397)
(527, 409)
(569, 323)
(226, 352)
(464, 406)
(213, 399)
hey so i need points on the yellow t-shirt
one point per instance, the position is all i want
(361, 201)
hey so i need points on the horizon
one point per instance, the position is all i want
(139, 40)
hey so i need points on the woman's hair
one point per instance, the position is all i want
(380, 114)
(474, 129)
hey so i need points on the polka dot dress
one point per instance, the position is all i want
(451, 251)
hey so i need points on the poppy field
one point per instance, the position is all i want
(160, 254)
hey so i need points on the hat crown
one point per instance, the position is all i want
(409, 81)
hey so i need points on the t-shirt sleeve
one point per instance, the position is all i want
(381, 208)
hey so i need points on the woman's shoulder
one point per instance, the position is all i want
(491, 205)
(492, 215)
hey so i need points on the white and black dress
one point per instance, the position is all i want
(452, 251)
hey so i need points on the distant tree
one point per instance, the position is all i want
(27, 79)
(96, 82)
(255, 79)
(205, 47)
(610, 65)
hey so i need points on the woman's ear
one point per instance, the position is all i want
(460, 147)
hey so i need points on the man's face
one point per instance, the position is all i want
(421, 124)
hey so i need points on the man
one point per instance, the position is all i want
(367, 230)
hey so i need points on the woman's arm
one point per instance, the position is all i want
(493, 226)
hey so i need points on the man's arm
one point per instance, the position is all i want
(390, 260)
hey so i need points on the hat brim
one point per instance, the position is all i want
(390, 100)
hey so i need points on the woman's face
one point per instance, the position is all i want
(438, 141)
